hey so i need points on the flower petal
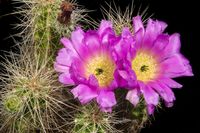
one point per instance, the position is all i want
(106, 109)
(106, 99)
(164, 91)
(77, 71)
(176, 66)
(77, 38)
(173, 46)
(150, 109)
(137, 23)
(68, 44)
(133, 96)
(153, 29)
(123, 74)
(170, 83)
(107, 38)
(92, 41)
(84, 93)
(66, 79)
(103, 26)
(150, 96)
(139, 35)
(60, 68)
(65, 57)
(160, 43)
(113, 85)
(93, 81)
(126, 78)
(124, 44)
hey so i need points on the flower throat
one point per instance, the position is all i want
(102, 67)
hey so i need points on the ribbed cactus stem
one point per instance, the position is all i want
(42, 35)
(93, 120)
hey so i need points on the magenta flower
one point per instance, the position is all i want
(153, 58)
(87, 62)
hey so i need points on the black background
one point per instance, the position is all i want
(182, 16)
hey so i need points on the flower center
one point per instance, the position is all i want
(98, 71)
(145, 66)
(102, 67)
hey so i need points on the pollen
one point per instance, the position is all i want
(102, 67)
(145, 66)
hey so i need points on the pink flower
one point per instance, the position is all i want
(154, 59)
(88, 63)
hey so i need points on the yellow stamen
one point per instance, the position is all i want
(102, 67)
(145, 66)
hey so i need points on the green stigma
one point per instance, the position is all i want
(98, 71)
(144, 68)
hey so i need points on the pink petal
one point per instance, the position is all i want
(68, 44)
(153, 29)
(176, 66)
(160, 43)
(173, 46)
(139, 35)
(84, 93)
(170, 83)
(164, 91)
(124, 44)
(106, 99)
(77, 38)
(77, 71)
(124, 74)
(103, 26)
(66, 79)
(169, 104)
(126, 33)
(113, 85)
(65, 57)
(92, 41)
(150, 109)
(150, 96)
(107, 36)
(137, 23)
(126, 78)
(60, 68)
(93, 81)
(106, 109)
(133, 96)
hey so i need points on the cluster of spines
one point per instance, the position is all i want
(31, 97)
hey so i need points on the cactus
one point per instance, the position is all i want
(28, 96)
(42, 26)
(89, 119)
(31, 100)
(123, 18)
